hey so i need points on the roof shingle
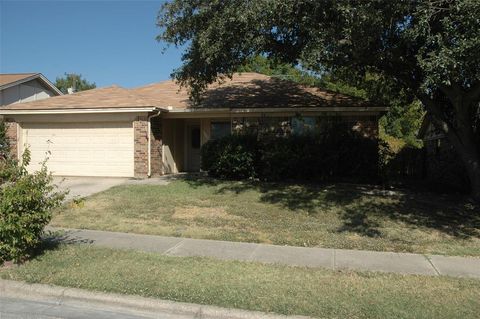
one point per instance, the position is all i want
(14, 77)
(245, 90)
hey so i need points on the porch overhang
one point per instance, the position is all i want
(254, 112)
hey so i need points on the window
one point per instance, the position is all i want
(302, 125)
(219, 130)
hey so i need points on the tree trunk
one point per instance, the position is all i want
(461, 136)
(471, 160)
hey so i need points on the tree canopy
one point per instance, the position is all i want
(74, 81)
(423, 49)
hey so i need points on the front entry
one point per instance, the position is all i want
(193, 148)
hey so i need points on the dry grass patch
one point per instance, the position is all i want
(272, 288)
(193, 212)
(331, 216)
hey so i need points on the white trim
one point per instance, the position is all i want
(81, 111)
(197, 111)
(282, 109)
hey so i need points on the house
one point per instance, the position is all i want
(155, 129)
(25, 87)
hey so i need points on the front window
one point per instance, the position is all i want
(303, 125)
(219, 130)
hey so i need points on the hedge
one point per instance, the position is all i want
(337, 155)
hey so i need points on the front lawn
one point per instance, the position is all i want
(254, 286)
(333, 216)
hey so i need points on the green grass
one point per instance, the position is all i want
(332, 216)
(253, 286)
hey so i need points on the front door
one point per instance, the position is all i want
(193, 148)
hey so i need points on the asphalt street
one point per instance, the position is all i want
(14, 308)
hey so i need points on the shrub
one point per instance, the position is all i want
(333, 155)
(231, 157)
(321, 157)
(26, 202)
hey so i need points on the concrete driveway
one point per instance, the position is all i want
(86, 186)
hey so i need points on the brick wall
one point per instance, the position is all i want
(11, 131)
(156, 147)
(365, 125)
(140, 127)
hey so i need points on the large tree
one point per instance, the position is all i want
(74, 81)
(426, 49)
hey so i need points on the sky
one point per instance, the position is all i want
(108, 42)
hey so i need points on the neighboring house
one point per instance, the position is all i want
(155, 130)
(25, 87)
(443, 168)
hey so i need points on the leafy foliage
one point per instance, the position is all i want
(403, 119)
(328, 156)
(3, 141)
(73, 81)
(425, 49)
(26, 201)
(231, 157)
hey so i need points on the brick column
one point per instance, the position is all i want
(11, 128)
(140, 128)
(156, 147)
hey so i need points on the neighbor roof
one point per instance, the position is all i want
(12, 79)
(107, 97)
(245, 90)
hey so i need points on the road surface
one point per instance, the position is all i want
(14, 308)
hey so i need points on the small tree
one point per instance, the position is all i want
(74, 81)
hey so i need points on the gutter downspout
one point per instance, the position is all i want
(149, 159)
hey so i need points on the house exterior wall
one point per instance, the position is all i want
(173, 145)
(140, 131)
(367, 126)
(167, 136)
(174, 139)
(25, 92)
(12, 137)
(156, 155)
(140, 140)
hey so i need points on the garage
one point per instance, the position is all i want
(81, 149)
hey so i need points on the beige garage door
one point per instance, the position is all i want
(81, 149)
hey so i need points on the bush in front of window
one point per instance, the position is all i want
(333, 155)
(231, 157)
(330, 156)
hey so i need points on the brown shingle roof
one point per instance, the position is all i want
(245, 90)
(249, 90)
(11, 78)
(107, 97)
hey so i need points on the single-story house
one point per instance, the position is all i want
(25, 87)
(156, 130)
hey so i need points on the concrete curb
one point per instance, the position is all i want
(75, 296)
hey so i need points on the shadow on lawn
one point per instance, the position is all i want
(362, 207)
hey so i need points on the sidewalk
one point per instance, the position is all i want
(403, 263)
